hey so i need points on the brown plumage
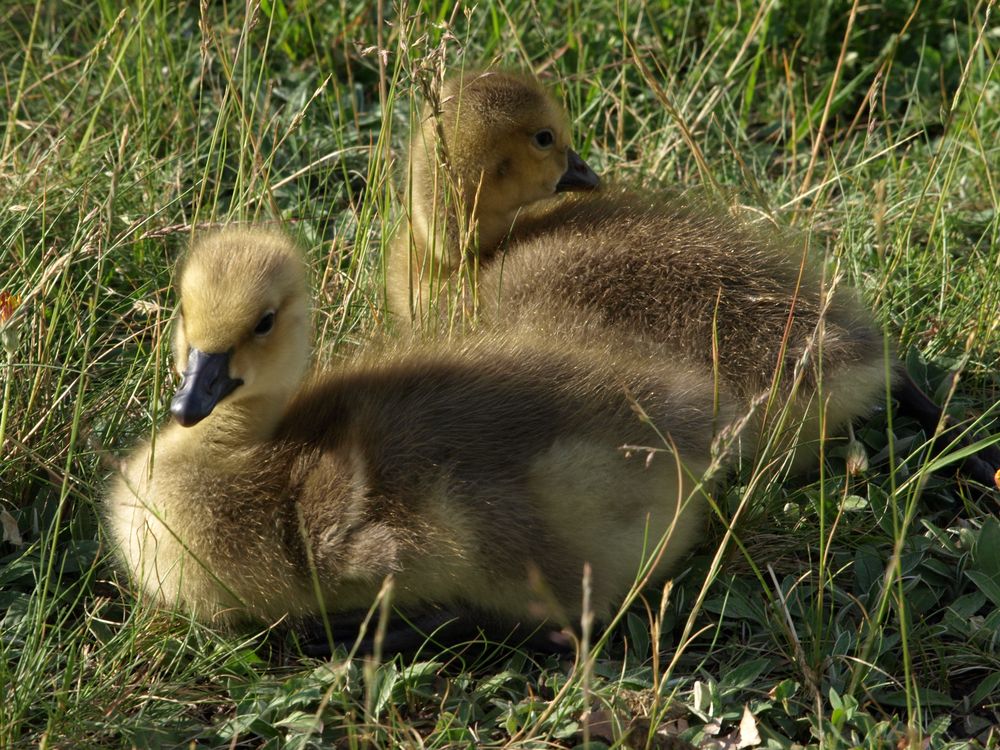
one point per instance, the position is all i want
(678, 279)
(482, 475)
(497, 144)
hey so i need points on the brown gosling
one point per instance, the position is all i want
(498, 144)
(482, 475)
(679, 279)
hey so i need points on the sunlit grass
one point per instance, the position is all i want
(851, 611)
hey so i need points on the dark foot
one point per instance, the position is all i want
(981, 466)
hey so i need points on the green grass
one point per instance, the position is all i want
(847, 611)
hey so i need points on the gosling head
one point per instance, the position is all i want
(507, 141)
(242, 329)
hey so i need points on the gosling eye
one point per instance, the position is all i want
(266, 324)
(544, 139)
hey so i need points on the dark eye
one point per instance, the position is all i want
(266, 323)
(544, 138)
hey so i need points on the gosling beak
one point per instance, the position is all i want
(205, 383)
(578, 176)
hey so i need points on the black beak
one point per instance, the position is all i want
(205, 383)
(578, 175)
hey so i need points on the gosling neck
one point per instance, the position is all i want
(244, 422)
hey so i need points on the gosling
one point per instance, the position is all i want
(481, 475)
(676, 279)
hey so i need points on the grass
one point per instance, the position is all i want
(854, 610)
